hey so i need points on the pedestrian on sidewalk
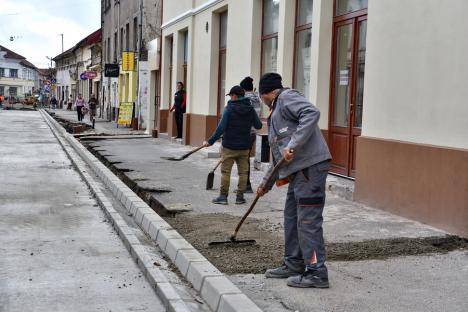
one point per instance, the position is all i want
(53, 102)
(70, 103)
(247, 85)
(294, 134)
(236, 122)
(180, 98)
(92, 104)
(79, 103)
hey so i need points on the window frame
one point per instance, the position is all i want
(13, 70)
(265, 37)
(298, 28)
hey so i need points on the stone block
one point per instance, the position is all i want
(185, 257)
(197, 271)
(165, 235)
(216, 286)
(174, 245)
(237, 303)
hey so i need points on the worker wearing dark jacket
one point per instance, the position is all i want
(238, 118)
(294, 134)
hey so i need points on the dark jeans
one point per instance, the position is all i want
(179, 119)
(80, 114)
(303, 233)
(252, 142)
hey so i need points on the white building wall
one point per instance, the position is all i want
(416, 74)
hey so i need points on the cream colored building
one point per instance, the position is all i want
(389, 78)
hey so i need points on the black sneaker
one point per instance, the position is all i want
(282, 272)
(240, 200)
(221, 199)
(309, 279)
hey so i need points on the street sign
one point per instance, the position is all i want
(91, 74)
(125, 113)
(111, 70)
(83, 76)
(128, 61)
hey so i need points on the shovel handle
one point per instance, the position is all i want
(193, 151)
(272, 174)
(217, 165)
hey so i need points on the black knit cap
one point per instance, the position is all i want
(269, 82)
(247, 84)
(236, 90)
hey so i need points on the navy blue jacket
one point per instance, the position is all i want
(238, 118)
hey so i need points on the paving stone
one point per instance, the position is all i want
(155, 227)
(165, 235)
(216, 286)
(148, 218)
(174, 245)
(140, 213)
(237, 303)
(197, 271)
(185, 257)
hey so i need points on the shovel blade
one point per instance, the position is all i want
(233, 242)
(210, 180)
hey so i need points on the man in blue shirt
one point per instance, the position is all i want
(238, 118)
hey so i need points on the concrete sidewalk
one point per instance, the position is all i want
(400, 264)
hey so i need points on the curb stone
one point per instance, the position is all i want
(203, 276)
(155, 277)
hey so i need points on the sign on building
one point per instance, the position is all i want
(125, 113)
(111, 70)
(128, 61)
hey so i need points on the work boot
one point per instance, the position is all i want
(240, 199)
(221, 199)
(282, 271)
(309, 279)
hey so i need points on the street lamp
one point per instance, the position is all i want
(62, 41)
(49, 58)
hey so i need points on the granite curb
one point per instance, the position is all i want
(215, 288)
(163, 288)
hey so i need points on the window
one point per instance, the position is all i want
(121, 47)
(185, 36)
(127, 37)
(108, 49)
(302, 49)
(347, 6)
(2, 72)
(116, 47)
(13, 91)
(13, 73)
(270, 35)
(223, 19)
(170, 51)
(2, 90)
(135, 34)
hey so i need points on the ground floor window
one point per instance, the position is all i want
(2, 90)
(302, 62)
(13, 91)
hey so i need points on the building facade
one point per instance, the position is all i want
(78, 70)
(18, 77)
(389, 82)
(131, 27)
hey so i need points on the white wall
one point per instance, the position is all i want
(416, 81)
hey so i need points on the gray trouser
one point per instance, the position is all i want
(303, 233)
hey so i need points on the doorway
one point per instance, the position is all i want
(347, 90)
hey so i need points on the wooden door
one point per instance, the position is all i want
(346, 98)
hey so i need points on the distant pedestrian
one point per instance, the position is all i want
(294, 134)
(70, 102)
(179, 106)
(53, 102)
(247, 85)
(79, 103)
(238, 118)
(92, 104)
(1, 100)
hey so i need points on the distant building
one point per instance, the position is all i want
(79, 69)
(18, 77)
(132, 26)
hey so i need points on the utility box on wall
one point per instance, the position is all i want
(262, 151)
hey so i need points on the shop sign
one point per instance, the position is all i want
(111, 70)
(91, 74)
(125, 113)
(128, 61)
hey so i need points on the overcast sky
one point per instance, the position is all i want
(36, 25)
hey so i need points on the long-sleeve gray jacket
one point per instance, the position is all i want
(294, 124)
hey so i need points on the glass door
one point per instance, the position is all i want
(349, 51)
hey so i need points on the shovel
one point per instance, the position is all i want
(185, 155)
(233, 239)
(210, 177)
